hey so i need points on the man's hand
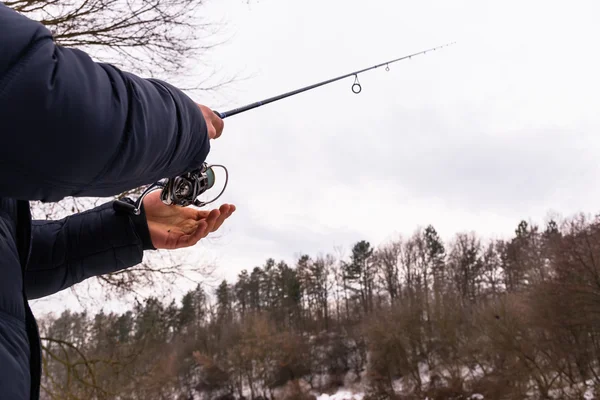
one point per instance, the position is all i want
(213, 122)
(174, 227)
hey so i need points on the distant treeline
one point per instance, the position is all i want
(414, 317)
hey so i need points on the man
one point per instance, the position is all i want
(73, 127)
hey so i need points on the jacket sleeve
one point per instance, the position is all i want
(84, 245)
(75, 127)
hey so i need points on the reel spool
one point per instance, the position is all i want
(182, 190)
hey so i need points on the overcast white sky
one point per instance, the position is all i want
(499, 127)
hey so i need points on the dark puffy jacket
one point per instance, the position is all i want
(73, 127)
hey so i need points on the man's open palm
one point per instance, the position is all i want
(174, 227)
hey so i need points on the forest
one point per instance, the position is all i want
(411, 318)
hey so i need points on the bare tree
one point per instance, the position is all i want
(466, 265)
(156, 37)
(387, 261)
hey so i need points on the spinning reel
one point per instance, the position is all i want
(182, 190)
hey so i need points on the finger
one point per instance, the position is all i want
(212, 219)
(212, 131)
(206, 226)
(227, 208)
(226, 211)
(201, 214)
(218, 124)
(214, 123)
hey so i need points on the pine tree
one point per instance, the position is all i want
(224, 302)
(241, 291)
(466, 265)
(360, 274)
(254, 289)
(436, 257)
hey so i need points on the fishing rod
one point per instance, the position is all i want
(185, 189)
(356, 87)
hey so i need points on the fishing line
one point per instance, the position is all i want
(356, 87)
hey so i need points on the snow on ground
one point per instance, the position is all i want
(347, 395)
(342, 395)
(589, 392)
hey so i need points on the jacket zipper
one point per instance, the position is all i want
(25, 237)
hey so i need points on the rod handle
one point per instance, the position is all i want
(220, 115)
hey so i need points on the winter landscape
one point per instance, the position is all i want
(434, 237)
(413, 318)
